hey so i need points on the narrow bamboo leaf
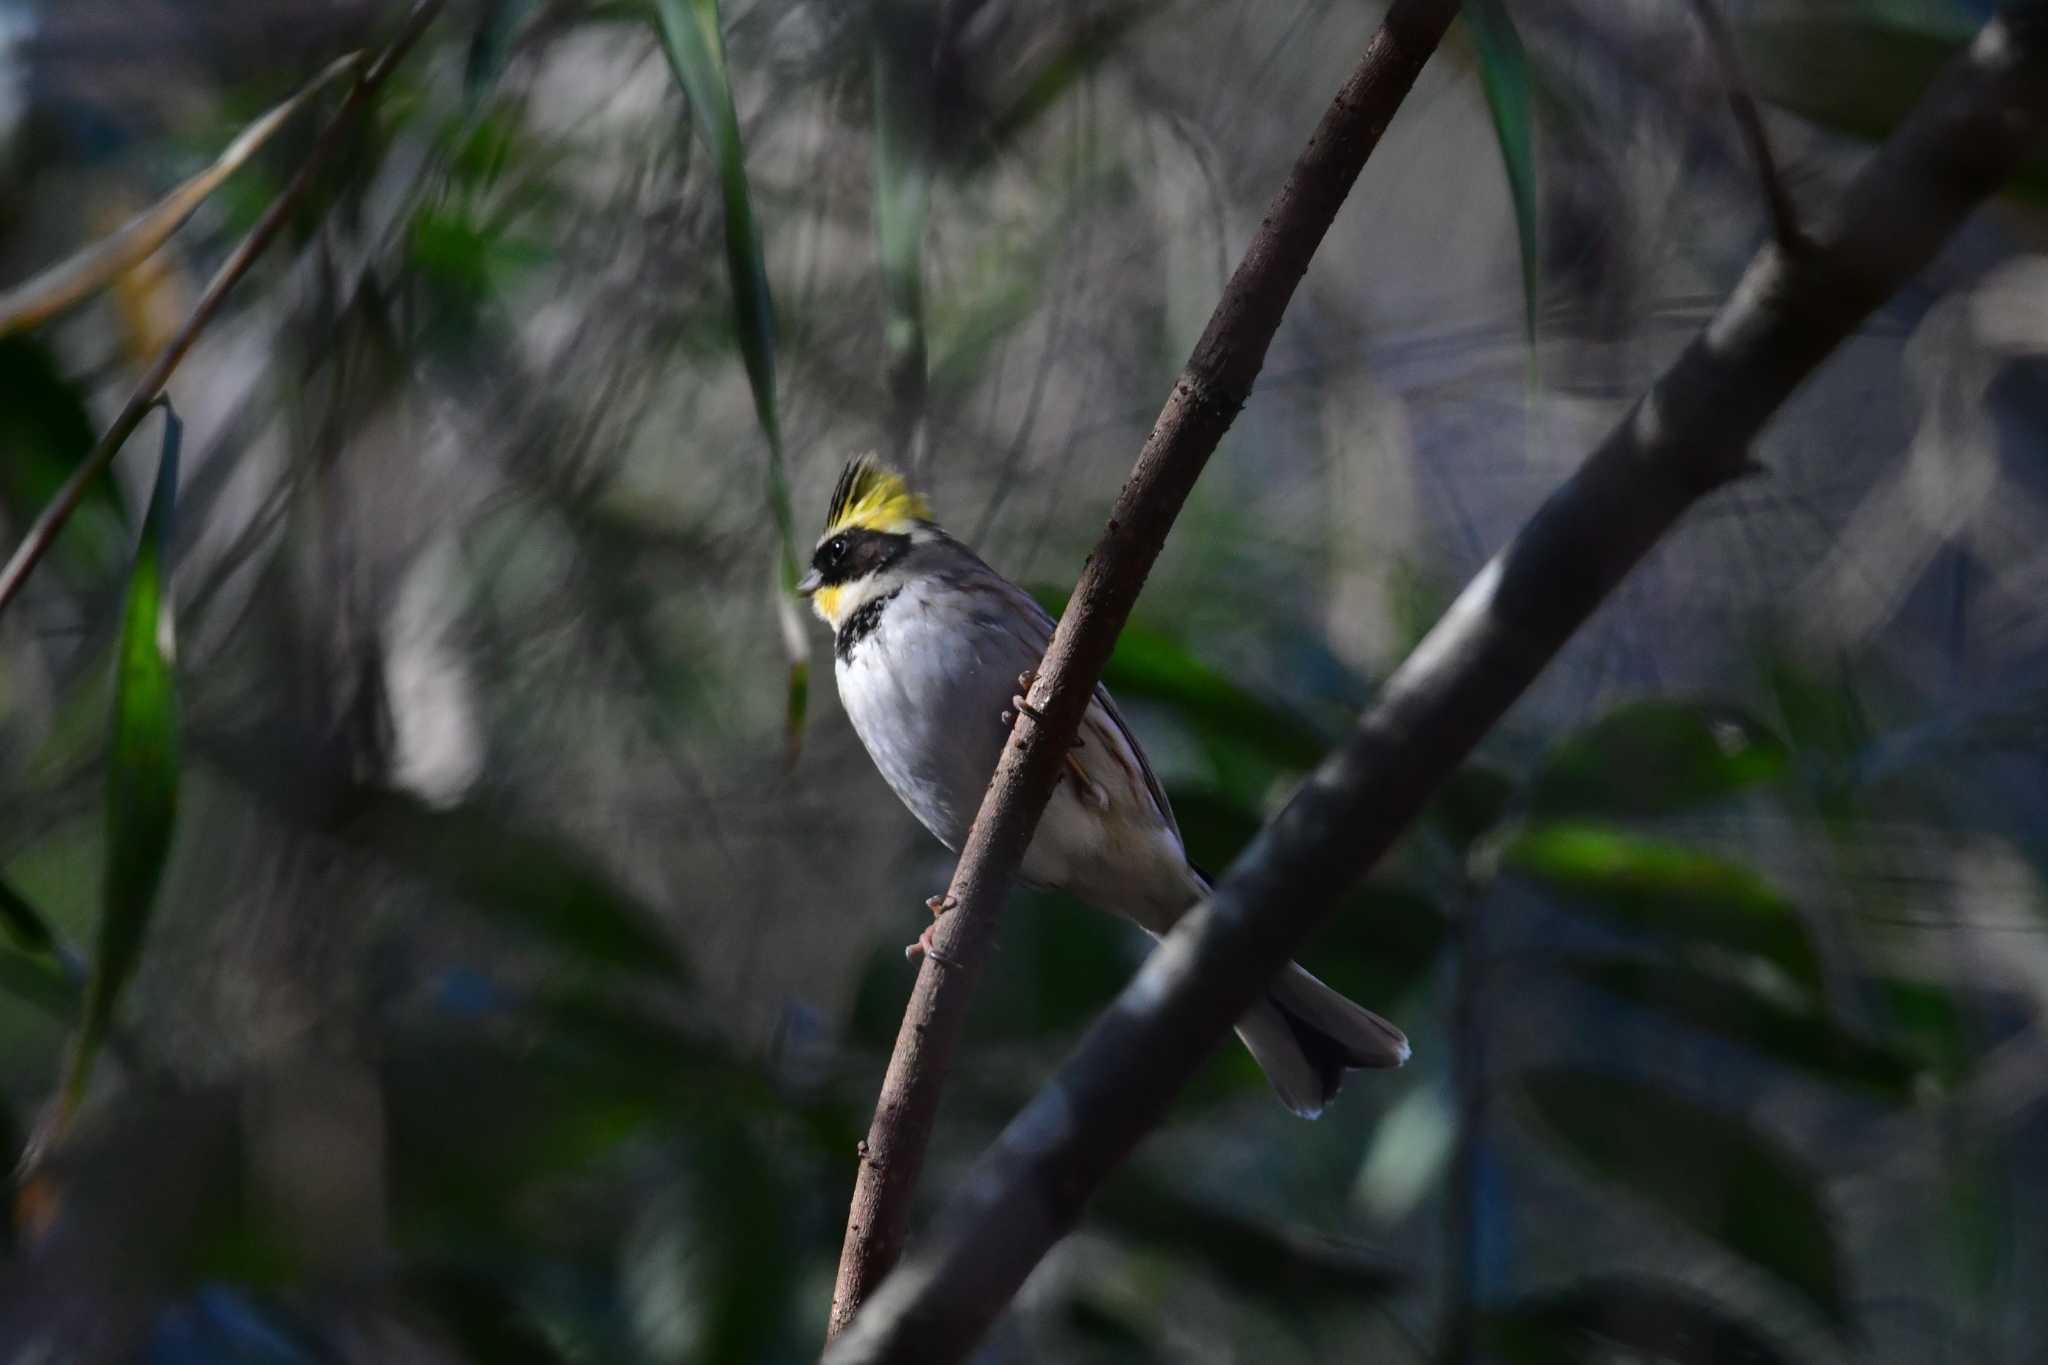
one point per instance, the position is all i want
(904, 34)
(1791, 1033)
(1656, 758)
(490, 44)
(1504, 74)
(528, 877)
(41, 982)
(1665, 888)
(45, 430)
(142, 766)
(1707, 1170)
(77, 278)
(1589, 1323)
(24, 923)
(696, 53)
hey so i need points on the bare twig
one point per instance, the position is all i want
(1735, 85)
(1688, 436)
(1205, 400)
(52, 518)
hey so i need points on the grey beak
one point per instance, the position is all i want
(809, 584)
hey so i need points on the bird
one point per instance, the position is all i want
(929, 645)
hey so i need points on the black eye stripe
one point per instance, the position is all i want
(856, 554)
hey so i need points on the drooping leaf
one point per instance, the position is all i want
(142, 766)
(1707, 1170)
(1786, 1031)
(904, 35)
(24, 923)
(45, 430)
(528, 877)
(490, 44)
(77, 278)
(1504, 74)
(1590, 1323)
(1648, 884)
(695, 48)
(1410, 1151)
(1656, 758)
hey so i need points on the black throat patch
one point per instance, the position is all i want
(861, 624)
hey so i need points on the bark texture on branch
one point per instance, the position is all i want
(1205, 400)
(1687, 436)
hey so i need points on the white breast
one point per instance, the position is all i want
(926, 692)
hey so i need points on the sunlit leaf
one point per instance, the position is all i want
(1709, 1171)
(1788, 1032)
(695, 47)
(142, 766)
(1504, 74)
(77, 278)
(1594, 1323)
(1656, 758)
(1411, 1149)
(523, 876)
(1649, 884)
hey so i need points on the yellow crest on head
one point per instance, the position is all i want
(875, 498)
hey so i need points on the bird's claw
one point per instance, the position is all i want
(939, 905)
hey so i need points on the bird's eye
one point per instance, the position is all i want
(837, 549)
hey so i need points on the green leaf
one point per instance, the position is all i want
(490, 44)
(142, 766)
(1150, 664)
(526, 876)
(1859, 73)
(696, 53)
(1789, 1032)
(1664, 888)
(1656, 758)
(904, 36)
(1504, 73)
(24, 923)
(1591, 1323)
(45, 430)
(1707, 1170)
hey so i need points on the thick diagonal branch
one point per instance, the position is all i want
(1212, 388)
(1689, 435)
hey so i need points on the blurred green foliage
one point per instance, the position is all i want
(601, 1123)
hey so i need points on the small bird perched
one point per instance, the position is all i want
(929, 645)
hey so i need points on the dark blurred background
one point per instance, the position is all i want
(529, 946)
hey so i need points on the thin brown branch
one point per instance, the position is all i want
(52, 518)
(1215, 384)
(1688, 436)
